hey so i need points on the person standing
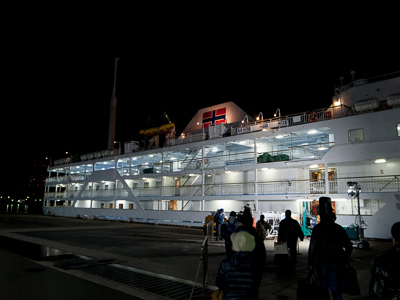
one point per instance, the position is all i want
(289, 232)
(240, 277)
(385, 279)
(219, 220)
(263, 227)
(227, 228)
(329, 250)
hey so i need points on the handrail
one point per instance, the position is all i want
(389, 183)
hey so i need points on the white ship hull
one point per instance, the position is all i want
(274, 165)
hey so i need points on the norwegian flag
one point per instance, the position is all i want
(214, 117)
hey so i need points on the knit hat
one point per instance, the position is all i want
(243, 241)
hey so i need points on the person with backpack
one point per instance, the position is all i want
(329, 250)
(263, 227)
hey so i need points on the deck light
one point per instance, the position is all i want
(380, 161)
(354, 189)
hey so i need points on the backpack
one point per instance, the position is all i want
(231, 227)
(330, 250)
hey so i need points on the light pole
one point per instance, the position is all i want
(354, 191)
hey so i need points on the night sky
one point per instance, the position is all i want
(59, 88)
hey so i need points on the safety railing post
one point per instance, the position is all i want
(205, 264)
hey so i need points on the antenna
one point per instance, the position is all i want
(352, 74)
(113, 112)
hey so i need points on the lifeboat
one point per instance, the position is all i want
(163, 129)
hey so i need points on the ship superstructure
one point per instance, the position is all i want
(225, 159)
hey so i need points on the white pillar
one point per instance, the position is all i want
(255, 174)
(326, 179)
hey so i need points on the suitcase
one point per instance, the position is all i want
(281, 263)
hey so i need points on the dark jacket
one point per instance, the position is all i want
(327, 242)
(240, 277)
(289, 232)
(385, 274)
(219, 218)
(263, 228)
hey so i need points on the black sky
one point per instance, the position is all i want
(58, 88)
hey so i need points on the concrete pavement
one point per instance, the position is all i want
(166, 250)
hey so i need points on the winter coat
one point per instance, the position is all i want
(232, 220)
(219, 218)
(240, 277)
(289, 232)
(327, 242)
(385, 275)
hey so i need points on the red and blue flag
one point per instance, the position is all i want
(214, 117)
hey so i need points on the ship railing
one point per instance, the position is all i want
(229, 189)
(369, 184)
(172, 205)
(54, 195)
(322, 114)
(366, 80)
(243, 158)
(283, 187)
(77, 177)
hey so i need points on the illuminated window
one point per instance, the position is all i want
(356, 135)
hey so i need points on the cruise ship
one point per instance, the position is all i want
(226, 159)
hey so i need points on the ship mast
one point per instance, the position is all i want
(113, 112)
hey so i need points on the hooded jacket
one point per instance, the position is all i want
(240, 277)
(385, 274)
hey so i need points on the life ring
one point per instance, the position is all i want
(312, 116)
